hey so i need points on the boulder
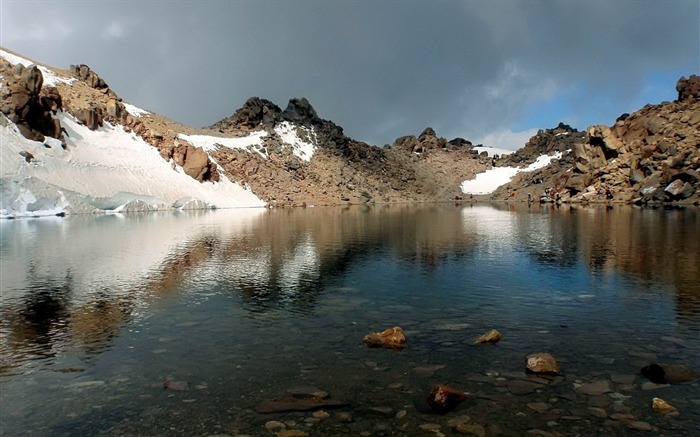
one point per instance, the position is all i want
(542, 363)
(195, 162)
(661, 406)
(491, 337)
(443, 398)
(26, 155)
(679, 189)
(392, 338)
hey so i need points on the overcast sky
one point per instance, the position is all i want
(487, 70)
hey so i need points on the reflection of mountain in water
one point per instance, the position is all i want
(653, 246)
(109, 269)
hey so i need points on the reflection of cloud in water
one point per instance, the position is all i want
(495, 228)
(112, 252)
(299, 266)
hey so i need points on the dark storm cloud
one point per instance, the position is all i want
(379, 69)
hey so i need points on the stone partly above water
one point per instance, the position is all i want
(443, 398)
(491, 337)
(392, 338)
(661, 406)
(542, 363)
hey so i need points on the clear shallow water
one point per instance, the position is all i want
(97, 312)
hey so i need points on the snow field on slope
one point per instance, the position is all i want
(105, 168)
(487, 182)
(50, 78)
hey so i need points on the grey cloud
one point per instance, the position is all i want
(379, 69)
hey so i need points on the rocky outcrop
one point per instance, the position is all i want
(426, 141)
(545, 142)
(255, 113)
(194, 160)
(300, 112)
(92, 118)
(688, 89)
(85, 74)
(30, 106)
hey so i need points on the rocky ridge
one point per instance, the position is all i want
(414, 169)
(648, 157)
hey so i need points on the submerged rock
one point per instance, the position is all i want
(669, 373)
(443, 399)
(392, 338)
(491, 337)
(289, 403)
(176, 385)
(542, 363)
(595, 388)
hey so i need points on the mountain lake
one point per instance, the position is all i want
(209, 323)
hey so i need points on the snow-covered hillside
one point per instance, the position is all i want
(105, 170)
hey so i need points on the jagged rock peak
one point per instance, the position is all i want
(300, 111)
(427, 132)
(254, 113)
(688, 89)
(262, 113)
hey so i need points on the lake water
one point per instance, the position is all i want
(242, 306)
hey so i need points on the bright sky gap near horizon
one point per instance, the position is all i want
(491, 72)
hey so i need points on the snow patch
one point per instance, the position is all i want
(253, 141)
(487, 182)
(134, 110)
(302, 149)
(289, 134)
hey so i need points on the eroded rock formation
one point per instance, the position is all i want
(30, 105)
